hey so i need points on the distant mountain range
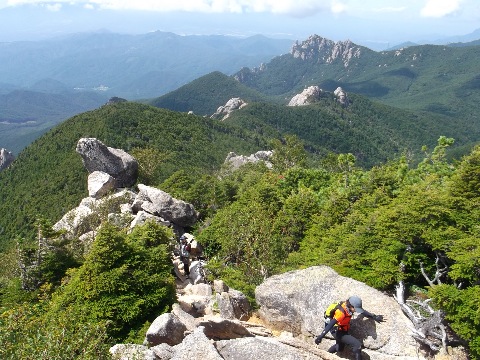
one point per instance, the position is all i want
(131, 66)
(45, 82)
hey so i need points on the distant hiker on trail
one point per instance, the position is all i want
(185, 248)
(340, 324)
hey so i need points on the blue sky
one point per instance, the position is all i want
(374, 23)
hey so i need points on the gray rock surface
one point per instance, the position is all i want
(100, 184)
(160, 203)
(97, 156)
(196, 346)
(295, 302)
(257, 348)
(235, 161)
(223, 112)
(167, 328)
(219, 329)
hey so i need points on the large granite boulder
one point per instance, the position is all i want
(167, 328)
(97, 156)
(160, 203)
(295, 301)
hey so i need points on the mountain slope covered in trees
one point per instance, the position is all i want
(397, 222)
(48, 177)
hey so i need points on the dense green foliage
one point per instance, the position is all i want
(124, 283)
(166, 141)
(394, 222)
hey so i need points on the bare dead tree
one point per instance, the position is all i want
(439, 273)
(428, 324)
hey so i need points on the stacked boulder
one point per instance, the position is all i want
(112, 172)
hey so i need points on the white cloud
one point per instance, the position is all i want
(440, 8)
(290, 7)
(53, 7)
(338, 7)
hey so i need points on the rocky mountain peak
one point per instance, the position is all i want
(326, 51)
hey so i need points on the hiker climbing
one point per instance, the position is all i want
(339, 325)
(185, 249)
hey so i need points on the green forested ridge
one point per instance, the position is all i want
(173, 141)
(204, 95)
(371, 131)
(412, 78)
(439, 80)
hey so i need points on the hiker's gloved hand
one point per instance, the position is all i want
(378, 318)
(318, 339)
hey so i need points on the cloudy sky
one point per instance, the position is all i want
(374, 23)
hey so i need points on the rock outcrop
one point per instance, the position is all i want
(308, 96)
(117, 163)
(122, 206)
(235, 161)
(6, 158)
(160, 203)
(326, 51)
(341, 96)
(223, 112)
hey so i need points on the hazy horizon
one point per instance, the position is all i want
(375, 24)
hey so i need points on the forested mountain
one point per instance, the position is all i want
(374, 132)
(204, 95)
(439, 79)
(396, 224)
(432, 87)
